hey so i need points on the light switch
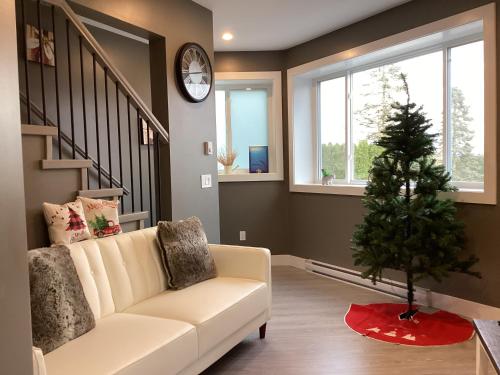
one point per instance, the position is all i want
(206, 181)
(209, 148)
(243, 235)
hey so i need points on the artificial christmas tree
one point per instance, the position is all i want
(408, 227)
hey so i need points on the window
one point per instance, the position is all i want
(373, 91)
(338, 109)
(466, 114)
(248, 117)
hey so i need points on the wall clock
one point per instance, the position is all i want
(194, 72)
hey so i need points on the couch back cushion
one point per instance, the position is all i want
(119, 271)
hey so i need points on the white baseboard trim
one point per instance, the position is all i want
(423, 296)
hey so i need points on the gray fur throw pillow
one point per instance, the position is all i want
(59, 310)
(185, 253)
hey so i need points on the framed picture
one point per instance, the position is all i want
(33, 46)
(258, 159)
(146, 139)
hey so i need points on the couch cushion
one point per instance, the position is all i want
(185, 253)
(59, 310)
(217, 307)
(119, 271)
(127, 344)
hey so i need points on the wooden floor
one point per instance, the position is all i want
(307, 335)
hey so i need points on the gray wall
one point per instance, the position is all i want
(259, 208)
(15, 326)
(130, 56)
(180, 21)
(321, 226)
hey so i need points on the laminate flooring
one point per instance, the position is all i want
(307, 335)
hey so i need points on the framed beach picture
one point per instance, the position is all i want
(33, 46)
(258, 159)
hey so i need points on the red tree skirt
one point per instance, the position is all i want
(380, 321)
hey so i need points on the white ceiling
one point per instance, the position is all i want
(260, 25)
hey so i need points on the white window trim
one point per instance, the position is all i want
(299, 81)
(275, 124)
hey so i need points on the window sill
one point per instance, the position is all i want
(247, 177)
(462, 196)
(337, 189)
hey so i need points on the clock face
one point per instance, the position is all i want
(194, 72)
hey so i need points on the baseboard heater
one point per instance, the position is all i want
(390, 287)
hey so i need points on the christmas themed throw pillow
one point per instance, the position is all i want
(102, 216)
(66, 223)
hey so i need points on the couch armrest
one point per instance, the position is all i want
(38, 362)
(241, 261)
(244, 262)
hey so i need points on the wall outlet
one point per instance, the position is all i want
(209, 148)
(243, 235)
(206, 181)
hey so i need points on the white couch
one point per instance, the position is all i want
(144, 328)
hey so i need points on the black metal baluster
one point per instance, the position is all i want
(130, 154)
(158, 176)
(139, 141)
(110, 162)
(71, 112)
(97, 122)
(84, 111)
(56, 77)
(149, 176)
(40, 51)
(26, 70)
(119, 140)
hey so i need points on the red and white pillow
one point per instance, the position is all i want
(102, 216)
(80, 220)
(66, 223)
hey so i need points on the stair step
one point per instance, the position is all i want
(101, 193)
(66, 164)
(134, 217)
(27, 129)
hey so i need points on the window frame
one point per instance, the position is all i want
(271, 82)
(299, 76)
(444, 48)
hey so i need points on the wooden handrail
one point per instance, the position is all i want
(113, 72)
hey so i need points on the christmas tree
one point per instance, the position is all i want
(99, 223)
(408, 227)
(75, 221)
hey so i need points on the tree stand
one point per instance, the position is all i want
(408, 315)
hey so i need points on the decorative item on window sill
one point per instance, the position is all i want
(328, 177)
(259, 159)
(227, 159)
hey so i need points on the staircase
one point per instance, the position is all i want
(87, 132)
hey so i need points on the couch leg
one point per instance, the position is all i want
(262, 331)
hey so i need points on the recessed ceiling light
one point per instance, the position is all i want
(227, 36)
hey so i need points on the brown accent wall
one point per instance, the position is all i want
(320, 226)
(176, 22)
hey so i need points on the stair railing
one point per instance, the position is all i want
(67, 139)
(149, 131)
